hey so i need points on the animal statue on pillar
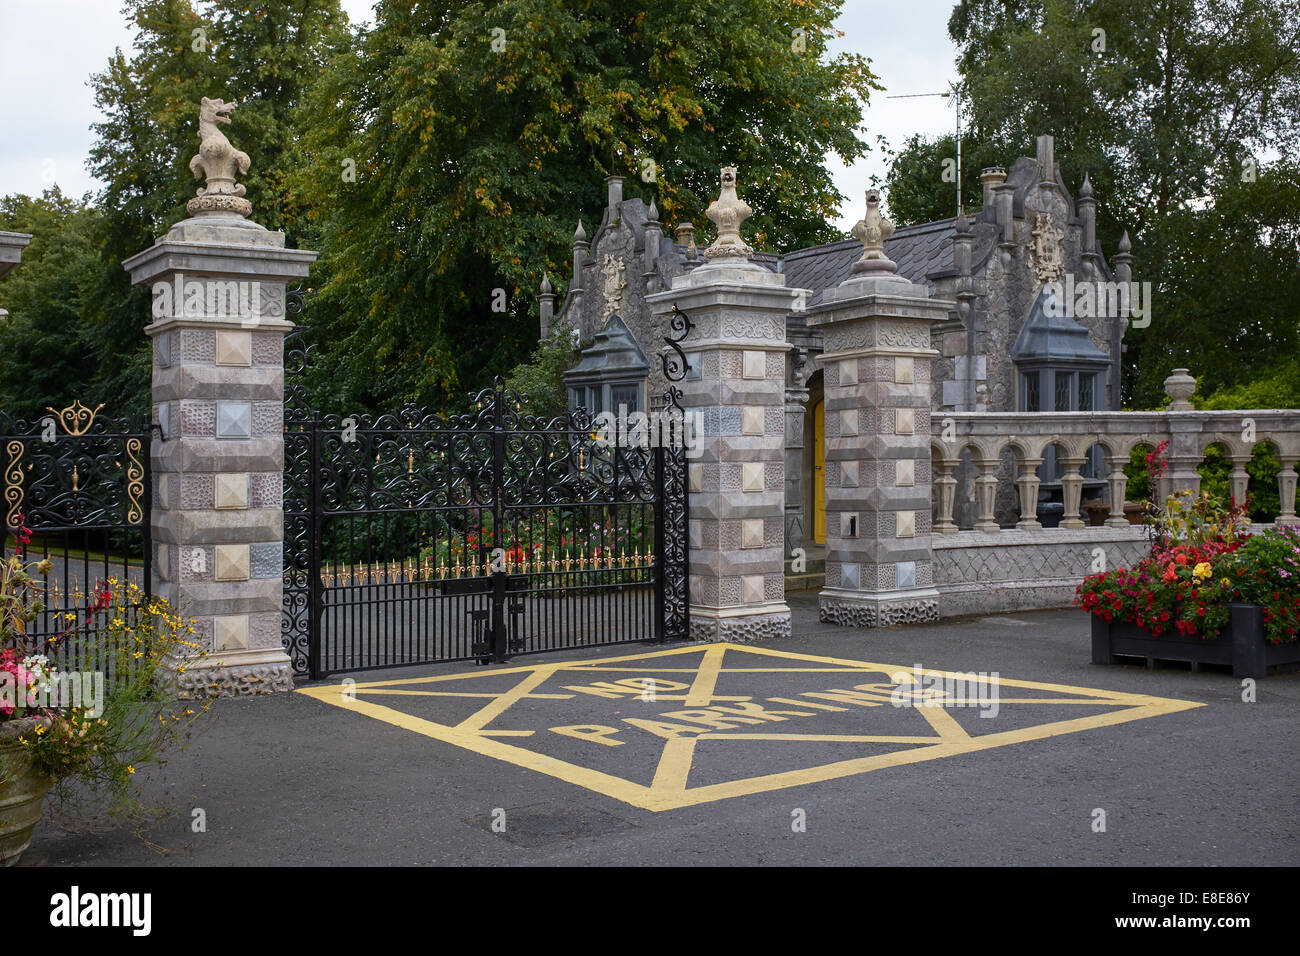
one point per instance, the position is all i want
(218, 161)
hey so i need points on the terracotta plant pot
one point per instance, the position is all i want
(1097, 513)
(1135, 512)
(22, 790)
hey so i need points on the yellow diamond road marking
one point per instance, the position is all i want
(695, 712)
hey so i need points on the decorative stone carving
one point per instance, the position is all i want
(801, 369)
(872, 230)
(741, 630)
(752, 327)
(235, 681)
(880, 334)
(854, 614)
(218, 160)
(615, 284)
(1045, 249)
(727, 212)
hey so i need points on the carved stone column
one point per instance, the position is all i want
(1184, 435)
(1286, 487)
(986, 491)
(796, 401)
(1118, 484)
(1072, 492)
(1028, 483)
(737, 353)
(947, 496)
(218, 390)
(1239, 480)
(876, 327)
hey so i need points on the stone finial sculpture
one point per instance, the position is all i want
(1180, 387)
(1045, 249)
(872, 230)
(727, 212)
(218, 160)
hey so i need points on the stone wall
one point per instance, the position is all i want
(991, 572)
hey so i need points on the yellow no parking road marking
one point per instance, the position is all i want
(698, 713)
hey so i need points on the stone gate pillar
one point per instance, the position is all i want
(876, 328)
(218, 283)
(737, 353)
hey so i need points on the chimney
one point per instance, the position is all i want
(615, 198)
(1046, 160)
(990, 179)
(1003, 194)
(686, 237)
(961, 246)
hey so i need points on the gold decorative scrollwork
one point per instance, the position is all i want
(76, 419)
(13, 483)
(134, 483)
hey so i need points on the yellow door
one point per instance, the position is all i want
(819, 473)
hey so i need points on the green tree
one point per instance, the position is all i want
(258, 53)
(42, 349)
(916, 189)
(480, 133)
(1170, 107)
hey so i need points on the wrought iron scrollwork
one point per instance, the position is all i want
(367, 492)
(672, 356)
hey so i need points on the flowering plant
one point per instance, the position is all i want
(1203, 560)
(543, 535)
(93, 728)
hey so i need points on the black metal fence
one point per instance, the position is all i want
(81, 483)
(414, 538)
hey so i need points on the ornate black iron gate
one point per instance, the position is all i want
(80, 482)
(414, 538)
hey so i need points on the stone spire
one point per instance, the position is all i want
(727, 212)
(546, 306)
(872, 230)
(579, 256)
(217, 160)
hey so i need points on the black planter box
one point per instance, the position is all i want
(1241, 644)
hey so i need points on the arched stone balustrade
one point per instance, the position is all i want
(1028, 436)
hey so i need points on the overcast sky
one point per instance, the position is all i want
(49, 48)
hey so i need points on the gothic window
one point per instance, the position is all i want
(626, 395)
(1062, 390)
(1032, 402)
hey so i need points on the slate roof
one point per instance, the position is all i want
(920, 251)
(613, 354)
(1051, 335)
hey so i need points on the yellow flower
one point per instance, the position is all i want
(1227, 583)
(130, 769)
(1202, 571)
